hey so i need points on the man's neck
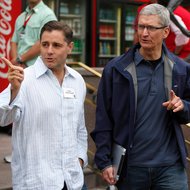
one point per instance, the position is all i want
(59, 74)
(150, 55)
(32, 5)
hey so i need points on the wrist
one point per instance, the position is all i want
(19, 59)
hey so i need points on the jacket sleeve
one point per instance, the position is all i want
(183, 117)
(102, 134)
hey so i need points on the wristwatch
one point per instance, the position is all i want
(19, 60)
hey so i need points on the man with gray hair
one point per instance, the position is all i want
(142, 100)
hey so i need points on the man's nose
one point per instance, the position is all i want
(145, 31)
(50, 49)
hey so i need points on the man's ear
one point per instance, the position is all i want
(70, 47)
(166, 32)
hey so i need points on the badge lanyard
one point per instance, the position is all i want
(27, 19)
(22, 33)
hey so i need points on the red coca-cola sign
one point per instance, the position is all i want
(9, 11)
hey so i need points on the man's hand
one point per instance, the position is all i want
(175, 103)
(14, 62)
(15, 77)
(81, 162)
(108, 175)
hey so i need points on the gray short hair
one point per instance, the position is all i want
(157, 9)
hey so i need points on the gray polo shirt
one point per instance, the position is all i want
(154, 140)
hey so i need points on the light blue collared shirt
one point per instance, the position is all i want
(49, 133)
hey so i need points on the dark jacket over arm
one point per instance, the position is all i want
(116, 104)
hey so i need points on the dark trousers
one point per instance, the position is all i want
(65, 187)
(157, 178)
(83, 188)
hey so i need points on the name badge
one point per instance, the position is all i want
(68, 93)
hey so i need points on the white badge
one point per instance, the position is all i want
(68, 93)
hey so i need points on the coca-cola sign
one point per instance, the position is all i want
(9, 11)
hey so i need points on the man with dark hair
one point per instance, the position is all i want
(25, 45)
(45, 103)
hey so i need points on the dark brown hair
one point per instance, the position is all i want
(60, 26)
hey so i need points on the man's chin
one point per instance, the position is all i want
(145, 46)
(49, 65)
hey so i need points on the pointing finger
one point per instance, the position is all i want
(172, 95)
(10, 65)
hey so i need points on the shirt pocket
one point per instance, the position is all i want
(18, 32)
(33, 30)
(72, 107)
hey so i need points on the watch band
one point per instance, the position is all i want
(19, 60)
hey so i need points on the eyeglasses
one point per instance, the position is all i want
(149, 28)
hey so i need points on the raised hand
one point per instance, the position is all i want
(174, 103)
(15, 74)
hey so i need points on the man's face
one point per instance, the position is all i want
(151, 33)
(54, 49)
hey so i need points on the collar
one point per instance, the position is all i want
(41, 69)
(36, 8)
(126, 61)
(138, 57)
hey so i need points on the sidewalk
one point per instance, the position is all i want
(5, 168)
